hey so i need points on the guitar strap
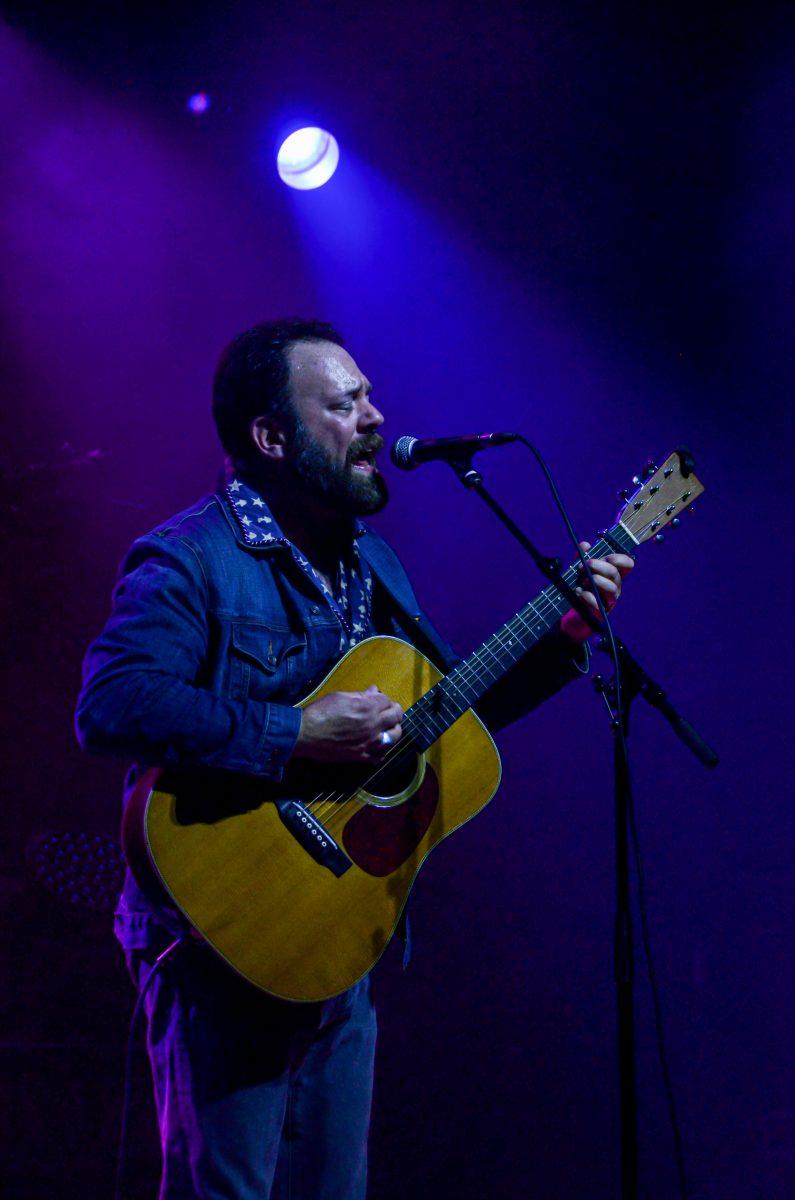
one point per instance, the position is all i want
(391, 574)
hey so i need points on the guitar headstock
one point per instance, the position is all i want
(663, 494)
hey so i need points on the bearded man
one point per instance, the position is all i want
(224, 618)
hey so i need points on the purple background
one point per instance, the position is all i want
(575, 220)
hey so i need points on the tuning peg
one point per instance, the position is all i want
(636, 479)
(659, 537)
(623, 494)
(675, 523)
(649, 469)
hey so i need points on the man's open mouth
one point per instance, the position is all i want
(365, 462)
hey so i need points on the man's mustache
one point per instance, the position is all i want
(365, 445)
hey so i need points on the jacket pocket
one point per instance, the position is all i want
(262, 660)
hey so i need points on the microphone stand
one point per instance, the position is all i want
(634, 682)
(549, 567)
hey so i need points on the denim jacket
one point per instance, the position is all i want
(211, 642)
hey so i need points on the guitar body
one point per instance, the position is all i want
(247, 861)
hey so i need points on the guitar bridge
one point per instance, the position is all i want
(314, 838)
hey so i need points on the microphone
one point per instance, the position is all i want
(410, 452)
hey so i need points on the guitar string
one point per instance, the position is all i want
(540, 608)
(545, 603)
(420, 722)
(424, 722)
(548, 600)
(465, 673)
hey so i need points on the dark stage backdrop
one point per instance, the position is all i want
(575, 220)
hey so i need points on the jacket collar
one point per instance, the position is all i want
(256, 528)
(252, 521)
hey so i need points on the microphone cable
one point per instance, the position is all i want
(662, 1052)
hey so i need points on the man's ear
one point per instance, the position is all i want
(269, 437)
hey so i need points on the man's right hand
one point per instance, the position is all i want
(347, 727)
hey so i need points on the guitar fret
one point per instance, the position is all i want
(462, 687)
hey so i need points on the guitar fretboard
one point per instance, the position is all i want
(459, 690)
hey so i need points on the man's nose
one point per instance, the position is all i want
(369, 417)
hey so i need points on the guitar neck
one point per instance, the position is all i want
(459, 690)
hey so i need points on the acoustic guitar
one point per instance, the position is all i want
(300, 885)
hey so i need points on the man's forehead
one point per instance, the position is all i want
(323, 367)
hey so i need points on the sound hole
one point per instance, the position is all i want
(394, 779)
(389, 782)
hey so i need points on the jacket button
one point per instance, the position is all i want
(315, 609)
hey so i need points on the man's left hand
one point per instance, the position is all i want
(608, 575)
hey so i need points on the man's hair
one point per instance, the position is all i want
(252, 378)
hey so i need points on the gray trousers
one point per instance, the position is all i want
(257, 1098)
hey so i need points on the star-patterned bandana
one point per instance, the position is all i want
(350, 601)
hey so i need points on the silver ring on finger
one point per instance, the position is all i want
(386, 739)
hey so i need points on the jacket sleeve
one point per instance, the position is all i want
(552, 663)
(142, 697)
(538, 675)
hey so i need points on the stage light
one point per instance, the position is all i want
(198, 103)
(307, 158)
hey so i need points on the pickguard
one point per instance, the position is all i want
(379, 840)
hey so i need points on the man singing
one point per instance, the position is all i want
(223, 619)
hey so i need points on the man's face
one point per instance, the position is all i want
(332, 448)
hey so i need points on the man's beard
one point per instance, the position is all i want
(343, 488)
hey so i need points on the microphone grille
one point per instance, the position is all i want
(401, 453)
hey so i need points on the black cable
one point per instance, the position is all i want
(121, 1154)
(662, 1052)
